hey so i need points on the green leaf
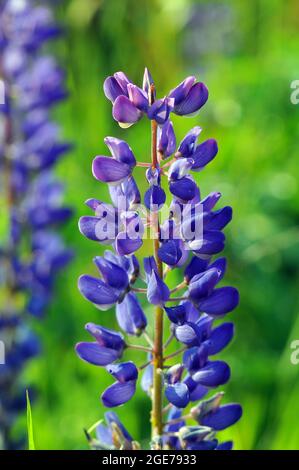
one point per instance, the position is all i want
(31, 443)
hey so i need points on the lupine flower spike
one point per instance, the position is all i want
(33, 253)
(181, 368)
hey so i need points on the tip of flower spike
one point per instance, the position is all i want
(147, 80)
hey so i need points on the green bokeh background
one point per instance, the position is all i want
(247, 54)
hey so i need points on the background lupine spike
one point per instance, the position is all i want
(179, 371)
(34, 252)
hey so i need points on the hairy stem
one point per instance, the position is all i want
(178, 420)
(144, 366)
(180, 286)
(140, 348)
(176, 299)
(139, 290)
(168, 342)
(176, 353)
(157, 400)
(148, 339)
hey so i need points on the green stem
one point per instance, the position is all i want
(157, 399)
(139, 290)
(140, 348)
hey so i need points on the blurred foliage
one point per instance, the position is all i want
(247, 54)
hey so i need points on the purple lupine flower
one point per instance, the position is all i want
(34, 253)
(108, 347)
(186, 235)
(113, 435)
(124, 388)
(166, 140)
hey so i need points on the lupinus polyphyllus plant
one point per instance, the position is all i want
(180, 369)
(33, 252)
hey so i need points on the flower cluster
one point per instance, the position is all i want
(33, 252)
(186, 236)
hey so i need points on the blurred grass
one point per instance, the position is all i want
(247, 54)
